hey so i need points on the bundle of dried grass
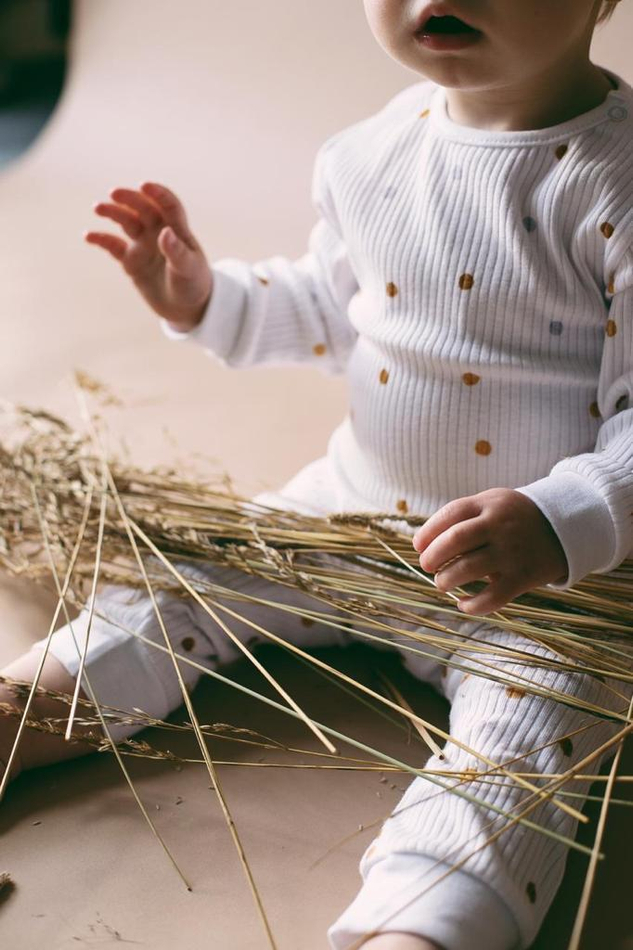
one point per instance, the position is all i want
(67, 511)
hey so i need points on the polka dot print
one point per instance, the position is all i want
(555, 327)
(529, 224)
(384, 376)
(530, 890)
(594, 410)
(263, 280)
(566, 745)
(466, 281)
(391, 289)
(611, 328)
(515, 692)
(607, 229)
(470, 379)
(425, 113)
(611, 284)
(188, 644)
(482, 447)
(319, 349)
(621, 403)
(444, 672)
(560, 152)
(402, 506)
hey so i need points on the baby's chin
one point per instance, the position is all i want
(453, 71)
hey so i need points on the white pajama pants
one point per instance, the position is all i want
(498, 898)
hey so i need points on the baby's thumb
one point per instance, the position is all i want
(180, 257)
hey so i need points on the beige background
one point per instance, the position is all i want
(227, 103)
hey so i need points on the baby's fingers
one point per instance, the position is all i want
(499, 592)
(128, 219)
(146, 209)
(110, 242)
(172, 211)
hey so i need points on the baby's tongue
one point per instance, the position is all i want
(447, 24)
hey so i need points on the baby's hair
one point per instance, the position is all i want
(608, 6)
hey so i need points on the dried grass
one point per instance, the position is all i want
(363, 565)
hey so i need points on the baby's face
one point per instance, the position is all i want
(521, 39)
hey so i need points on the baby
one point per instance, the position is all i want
(471, 272)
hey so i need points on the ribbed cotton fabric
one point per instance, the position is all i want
(477, 289)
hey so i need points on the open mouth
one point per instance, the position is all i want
(446, 24)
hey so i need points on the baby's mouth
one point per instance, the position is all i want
(446, 24)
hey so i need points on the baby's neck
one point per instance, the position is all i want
(531, 105)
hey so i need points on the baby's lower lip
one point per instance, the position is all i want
(447, 41)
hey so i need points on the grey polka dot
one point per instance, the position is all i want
(529, 223)
(617, 113)
(556, 327)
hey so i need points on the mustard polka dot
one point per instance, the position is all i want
(611, 329)
(611, 284)
(424, 114)
(621, 403)
(482, 447)
(530, 890)
(392, 290)
(594, 410)
(607, 229)
(515, 692)
(384, 376)
(402, 506)
(471, 379)
(307, 622)
(560, 152)
(444, 672)
(468, 775)
(263, 280)
(319, 349)
(566, 745)
(188, 644)
(466, 281)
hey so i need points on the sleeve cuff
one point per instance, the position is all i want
(460, 912)
(220, 325)
(581, 519)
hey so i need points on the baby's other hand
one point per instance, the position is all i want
(499, 535)
(162, 257)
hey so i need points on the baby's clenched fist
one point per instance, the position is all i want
(162, 256)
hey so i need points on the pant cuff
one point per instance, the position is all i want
(458, 913)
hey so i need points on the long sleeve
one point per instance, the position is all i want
(281, 311)
(588, 498)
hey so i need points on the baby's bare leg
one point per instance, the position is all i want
(399, 941)
(37, 748)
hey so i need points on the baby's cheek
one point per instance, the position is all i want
(386, 21)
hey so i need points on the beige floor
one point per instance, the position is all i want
(227, 103)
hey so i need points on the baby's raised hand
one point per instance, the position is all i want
(499, 535)
(162, 256)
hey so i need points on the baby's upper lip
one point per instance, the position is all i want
(439, 9)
